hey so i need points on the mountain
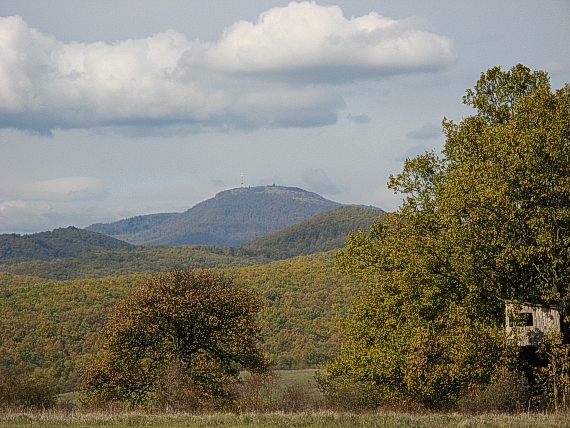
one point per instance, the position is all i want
(230, 218)
(133, 225)
(57, 244)
(323, 232)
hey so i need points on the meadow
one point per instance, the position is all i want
(302, 386)
(317, 420)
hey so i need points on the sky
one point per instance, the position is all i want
(111, 109)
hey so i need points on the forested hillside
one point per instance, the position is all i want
(326, 231)
(305, 297)
(231, 218)
(129, 261)
(57, 244)
(132, 225)
(52, 325)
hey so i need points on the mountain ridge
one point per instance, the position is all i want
(323, 232)
(231, 218)
(60, 243)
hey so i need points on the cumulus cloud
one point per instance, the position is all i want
(317, 181)
(304, 38)
(264, 74)
(425, 132)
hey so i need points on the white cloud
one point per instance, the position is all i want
(308, 37)
(21, 216)
(256, 75)
(63, 189)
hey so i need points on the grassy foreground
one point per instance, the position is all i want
(317, 420)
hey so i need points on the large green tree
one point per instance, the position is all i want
(181, 338)
(487, 220)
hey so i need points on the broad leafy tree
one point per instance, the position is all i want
(487, 220)
(185, 335)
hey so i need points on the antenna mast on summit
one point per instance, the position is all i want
(242, 180)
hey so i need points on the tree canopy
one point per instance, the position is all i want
(196, 329)
(486, 220)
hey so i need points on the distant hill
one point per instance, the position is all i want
(133, 225)
(324, 232)
(57, 244)
(133, 260)
(231, 218)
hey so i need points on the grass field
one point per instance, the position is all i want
(284, 379)
(289, 377)
(318, 420)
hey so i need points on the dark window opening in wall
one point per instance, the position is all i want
(526, 318)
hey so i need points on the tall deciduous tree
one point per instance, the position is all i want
(487, 220)
(191, 329)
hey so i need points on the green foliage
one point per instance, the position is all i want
(496, 92)
(488, 220)
(350, 396)
(553, 378)
(325, 231)
(196, 327)
(52, 325)
(132, 225)
(231, 218)
(20, 390)
(58, 244)
(508, 393)
(304, 298)
(508, 184)
(130, 261)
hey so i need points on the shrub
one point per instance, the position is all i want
(266, 393)
(347, 396)
(27, 391)
(510, 393)
(255, 394)
(296, 398)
